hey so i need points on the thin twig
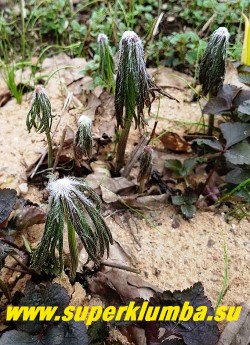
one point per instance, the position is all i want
(135, 156)
(59, 150)
(12, 244)
(121, 267)
(16, 270)
(153, 132)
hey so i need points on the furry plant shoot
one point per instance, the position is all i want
(125, 172)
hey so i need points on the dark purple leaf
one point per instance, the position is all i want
(7, 201)
(235, 132)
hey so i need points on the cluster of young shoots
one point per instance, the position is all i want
(72, 203)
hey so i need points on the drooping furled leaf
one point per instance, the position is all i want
(235, 132)
(239, 153)
(214, 144)
(7, 201)
(65, 333)
(42, 295)
(192, 332)
(238, 175)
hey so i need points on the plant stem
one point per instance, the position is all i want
(122, 143)
(211, 120)
(72, 248)
(210, 124)
(50, 151)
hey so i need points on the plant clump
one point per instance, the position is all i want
(74, 203)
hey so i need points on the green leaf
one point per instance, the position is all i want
(21, 338)
(239, 153)
(188, 210)
(190, 198)
(174, 164)
(188, 166)
(178, 200)
(235, 132)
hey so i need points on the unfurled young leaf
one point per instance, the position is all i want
(186, 201)
(74, 204)
(83, 139)
(180, 169)
(212, 66)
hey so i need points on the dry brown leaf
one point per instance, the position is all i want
(172, 141)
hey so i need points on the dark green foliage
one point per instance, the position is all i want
(186, 201)
(180, 169)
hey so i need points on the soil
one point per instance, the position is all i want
(168, 257)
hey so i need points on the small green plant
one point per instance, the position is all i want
(83, 139)
(75, 204)
(106, 65)
(212, 67)
(40, 117)
(145, 166)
